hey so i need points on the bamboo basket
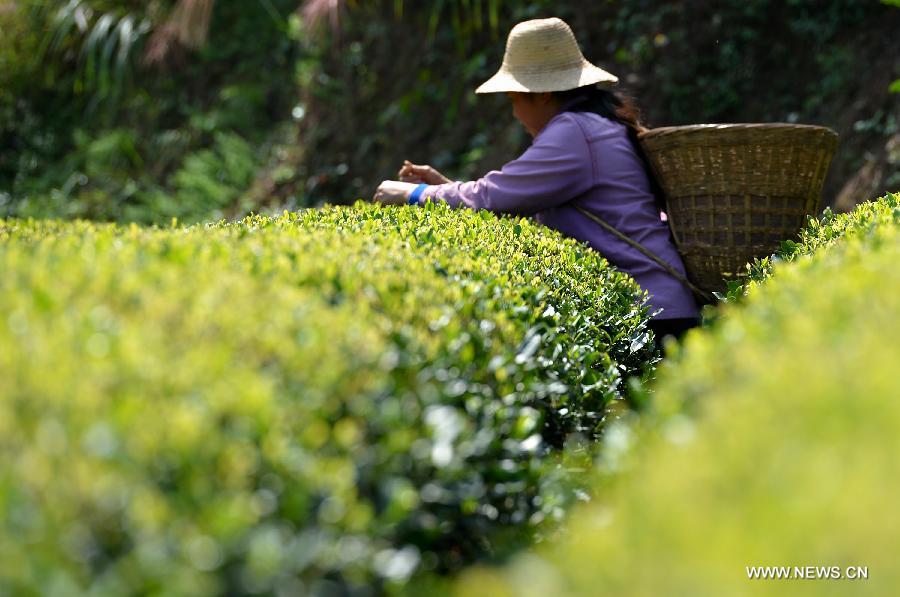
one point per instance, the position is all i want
(734, 192)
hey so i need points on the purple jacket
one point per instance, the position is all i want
(583, 159)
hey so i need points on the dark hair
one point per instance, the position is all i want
(609, 104)
(616, 107)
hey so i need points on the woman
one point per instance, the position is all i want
(584, 156)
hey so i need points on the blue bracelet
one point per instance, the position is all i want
(416, 194)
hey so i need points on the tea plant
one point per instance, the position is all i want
(321, 401)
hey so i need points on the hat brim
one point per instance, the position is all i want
(542, 82)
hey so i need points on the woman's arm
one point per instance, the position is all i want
(397, 192)
(555, 169)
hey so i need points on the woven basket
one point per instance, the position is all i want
(734, 192)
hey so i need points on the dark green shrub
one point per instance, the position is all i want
(330, 400)
(774, 443)
(87, 130)
(208, 182)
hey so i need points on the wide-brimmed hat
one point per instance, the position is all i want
(542, 55)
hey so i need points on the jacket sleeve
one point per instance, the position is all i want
(556, 168)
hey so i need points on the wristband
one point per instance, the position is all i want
(416, 194)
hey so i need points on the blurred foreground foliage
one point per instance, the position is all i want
(328, 401)
(771, 442)
(89, 129)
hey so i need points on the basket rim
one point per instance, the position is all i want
(739, 126)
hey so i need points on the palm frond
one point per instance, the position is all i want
(104, 44)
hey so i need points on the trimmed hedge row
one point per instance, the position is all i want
(773, 442)
(330, 401)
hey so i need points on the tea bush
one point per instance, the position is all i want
(326, 401)
(774, 442)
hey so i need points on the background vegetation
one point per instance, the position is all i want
(135, 111)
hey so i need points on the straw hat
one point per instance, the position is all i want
(542, 55)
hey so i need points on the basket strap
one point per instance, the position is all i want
(702, 294)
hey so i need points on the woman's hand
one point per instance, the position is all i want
(392, 192)
(418, 174)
